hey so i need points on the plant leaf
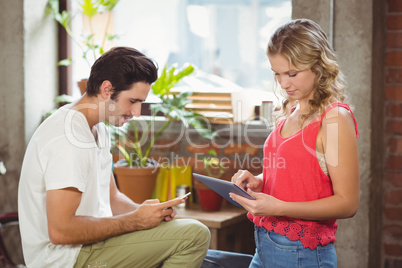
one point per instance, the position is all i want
(111, 37)
(52, 6)
(169, 78)
(89, 8)
(65, 62)
(212, 152)
(63, 18)
(64, 98)
(108, 4)
(125, 154)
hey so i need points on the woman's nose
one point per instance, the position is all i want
(285, 82)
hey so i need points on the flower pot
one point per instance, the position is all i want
(137, 183)
(82, 84)
(208, 198)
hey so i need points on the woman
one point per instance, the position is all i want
(311, 170)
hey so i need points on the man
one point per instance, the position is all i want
(71, 212)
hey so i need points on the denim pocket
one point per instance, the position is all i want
(330, 246)
(326, 256)
(282, 242)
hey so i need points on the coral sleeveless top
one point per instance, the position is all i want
(292, 173)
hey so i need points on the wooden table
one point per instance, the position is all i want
(230, 228)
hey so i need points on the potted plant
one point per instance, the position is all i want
(213, 167)
(91, 45)
(137, 145)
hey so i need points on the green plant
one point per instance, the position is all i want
(91, 48)
(135, 151)
(213, 166)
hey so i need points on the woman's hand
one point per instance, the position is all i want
(263, 205)
(246, 180)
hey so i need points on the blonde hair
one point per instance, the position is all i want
(305, 45)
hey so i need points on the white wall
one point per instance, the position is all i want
(40, 60)
(12, 142)
(28, 77)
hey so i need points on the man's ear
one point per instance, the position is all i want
(106, 89)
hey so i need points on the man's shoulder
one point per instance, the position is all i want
(64, 127)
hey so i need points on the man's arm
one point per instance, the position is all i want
(119, 202)
(65, 227)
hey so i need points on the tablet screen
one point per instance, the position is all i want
(223, 188)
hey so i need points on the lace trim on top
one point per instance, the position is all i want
(310, 234)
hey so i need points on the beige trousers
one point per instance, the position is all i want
(177, 243)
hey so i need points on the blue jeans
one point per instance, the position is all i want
(275, 250)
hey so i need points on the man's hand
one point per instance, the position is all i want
(150, 213)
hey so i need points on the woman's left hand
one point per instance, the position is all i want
(263, 205)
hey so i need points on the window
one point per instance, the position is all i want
(227, 38)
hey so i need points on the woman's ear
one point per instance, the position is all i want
(106, 89)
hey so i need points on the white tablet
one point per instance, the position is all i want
(223, 188)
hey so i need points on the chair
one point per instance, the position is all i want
(226, 259)
(6, 219)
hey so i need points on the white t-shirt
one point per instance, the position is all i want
(62, 153)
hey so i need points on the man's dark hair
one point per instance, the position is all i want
(122, 66)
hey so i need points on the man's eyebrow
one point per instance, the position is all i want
(140, 100)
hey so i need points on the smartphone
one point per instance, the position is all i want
(184, 196)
